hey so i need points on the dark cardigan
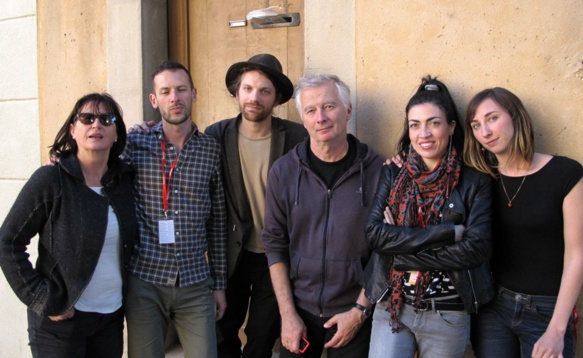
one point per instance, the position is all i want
(71, 220)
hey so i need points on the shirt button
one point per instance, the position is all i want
(176, 212)
(175, 191)
(177, 233)
(178, 254)
(450, 205)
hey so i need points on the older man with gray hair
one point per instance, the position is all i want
(317, 204)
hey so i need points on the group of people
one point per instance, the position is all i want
(466, 234)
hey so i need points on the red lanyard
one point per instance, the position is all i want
(166, 187)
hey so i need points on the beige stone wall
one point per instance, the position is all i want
(19, 154)
(72, 59)
(382, 49)
(97, 46)
(534, 48)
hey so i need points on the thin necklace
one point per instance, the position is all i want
(505, 192)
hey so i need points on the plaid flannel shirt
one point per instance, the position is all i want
(196, 204)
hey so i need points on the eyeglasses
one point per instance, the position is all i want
(89, 118)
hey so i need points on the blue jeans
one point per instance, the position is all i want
(150, 307)
(86, 334)
(512, 323)
(430, 333)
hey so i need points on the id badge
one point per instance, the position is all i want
(166, 231)
(413, 277)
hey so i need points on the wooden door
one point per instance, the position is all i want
(200, 37)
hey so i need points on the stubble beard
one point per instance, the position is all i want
(167, 117)
(176, 121)
(256, 116)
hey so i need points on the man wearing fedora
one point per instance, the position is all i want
(250, 143)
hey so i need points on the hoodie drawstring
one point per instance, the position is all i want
(362, 196)
(297, 201)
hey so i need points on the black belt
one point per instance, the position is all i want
(435, 305)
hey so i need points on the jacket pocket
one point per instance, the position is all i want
(341, 282)
(454, 210)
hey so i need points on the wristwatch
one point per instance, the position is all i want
(365, 311)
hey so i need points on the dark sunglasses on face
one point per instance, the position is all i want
(89, 118)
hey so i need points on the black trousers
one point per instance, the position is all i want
(249, 289)
(86, 334)
(318, 336)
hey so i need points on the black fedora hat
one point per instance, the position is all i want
(268, 64)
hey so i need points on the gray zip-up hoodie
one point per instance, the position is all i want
(320, 232)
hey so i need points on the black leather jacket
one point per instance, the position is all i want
(434, 247)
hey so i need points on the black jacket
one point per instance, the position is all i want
(71, 220)
(434, 247)
(284, 136)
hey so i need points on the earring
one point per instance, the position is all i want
(450, 141)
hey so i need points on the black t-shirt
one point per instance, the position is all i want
(528, 242)
(330, 172)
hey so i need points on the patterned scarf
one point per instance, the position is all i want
(417, 199)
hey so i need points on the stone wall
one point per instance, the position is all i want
(19, 149)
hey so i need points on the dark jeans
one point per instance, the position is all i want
(250, 288)
(86, 334)
(318, 336)
(512, 323)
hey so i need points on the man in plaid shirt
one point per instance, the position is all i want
(179, 266)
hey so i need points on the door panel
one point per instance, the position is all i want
(211, 46)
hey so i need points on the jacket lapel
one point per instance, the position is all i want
(233, 172)
(277, 140)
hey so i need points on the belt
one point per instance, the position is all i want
(435, 305)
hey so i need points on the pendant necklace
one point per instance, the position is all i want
(506, 193)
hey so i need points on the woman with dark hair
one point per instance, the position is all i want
(83, 210)
(429, 229)
(537, 254)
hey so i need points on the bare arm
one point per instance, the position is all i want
(292, 326)
(552, 341)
